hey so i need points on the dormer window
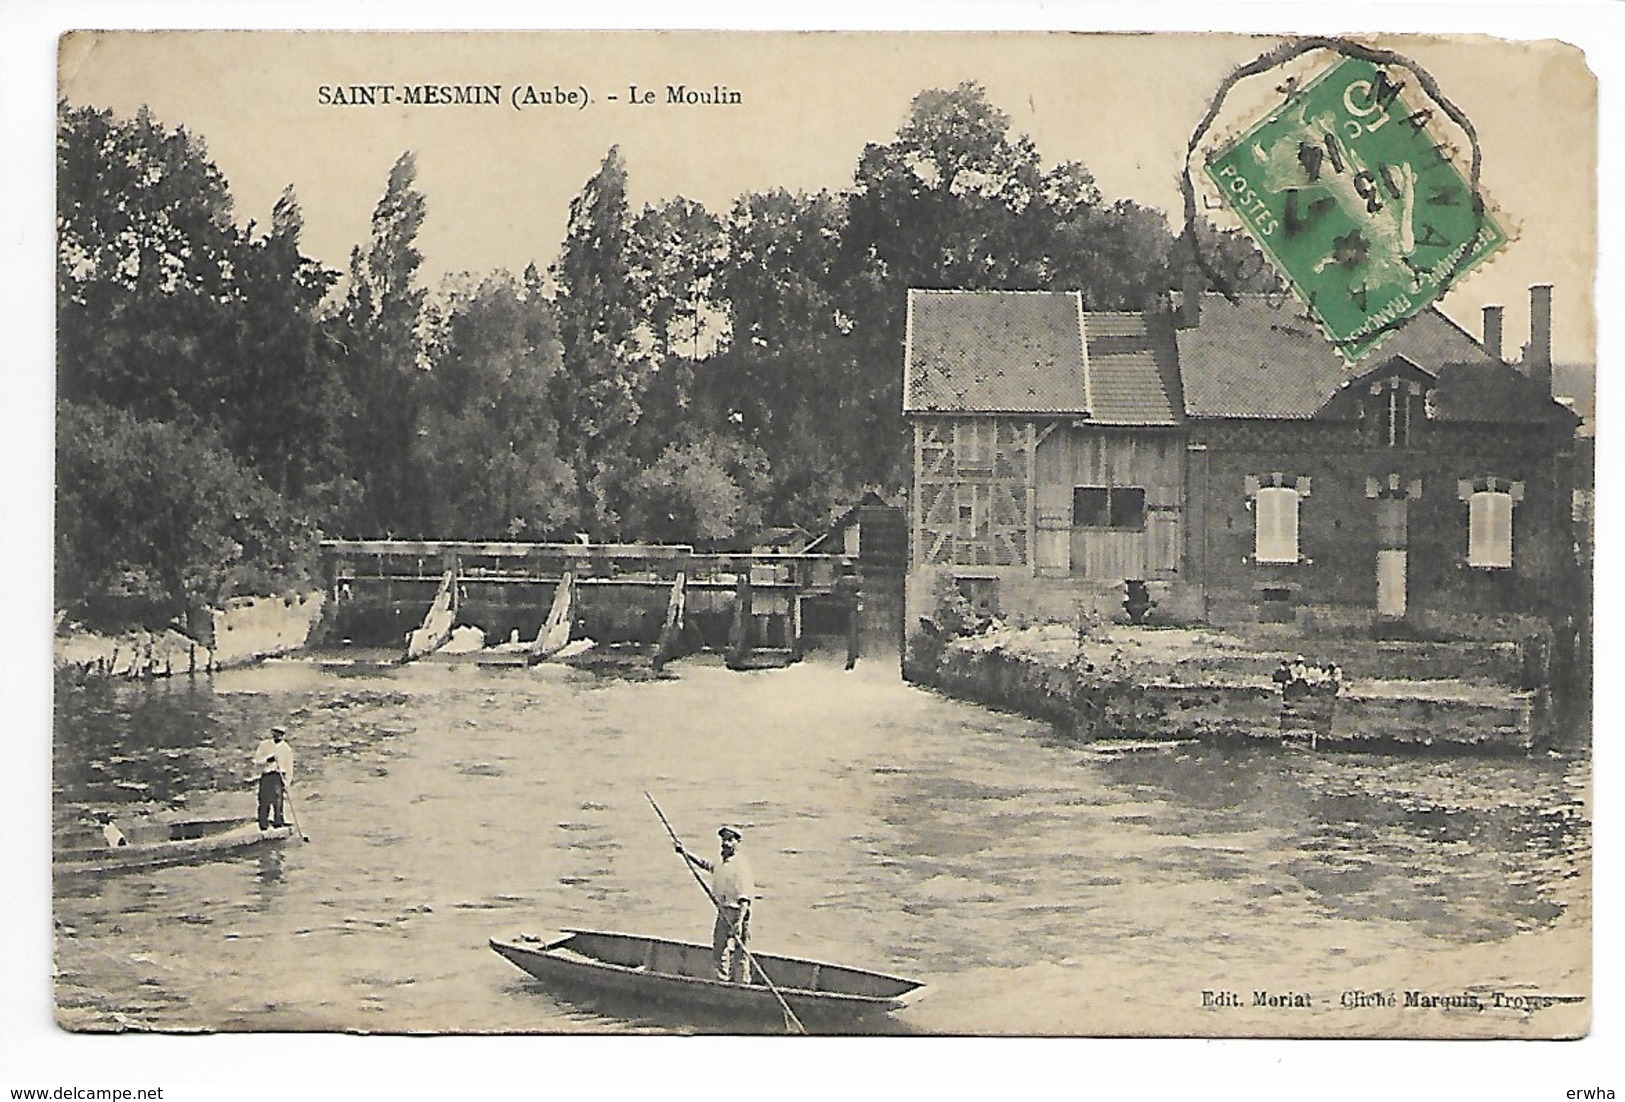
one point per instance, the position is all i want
(1397, 407)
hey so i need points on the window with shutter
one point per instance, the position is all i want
(1489, 529)
(1275, 520)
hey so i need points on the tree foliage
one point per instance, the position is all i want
(155, 519)
(605, 364)
(706, 491)
(487, 448)
(382, 323)
(146, 255)
(194, 378)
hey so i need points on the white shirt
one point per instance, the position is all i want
(274, 757)
(733, 881)
(114, 836)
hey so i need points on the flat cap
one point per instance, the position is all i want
(729, 832)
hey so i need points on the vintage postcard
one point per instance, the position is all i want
(928, 534)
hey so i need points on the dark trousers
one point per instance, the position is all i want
(728, 957)
(271, 794)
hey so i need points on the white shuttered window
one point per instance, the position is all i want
(1275, 519)
(1489, 529)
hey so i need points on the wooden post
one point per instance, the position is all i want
(739, 634)
(676, 614)
(854, 625)
(795, 627)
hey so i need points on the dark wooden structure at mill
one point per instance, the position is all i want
(666, 600)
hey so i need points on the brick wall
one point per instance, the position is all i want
(1335, 586)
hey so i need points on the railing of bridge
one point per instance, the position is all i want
(591, 564)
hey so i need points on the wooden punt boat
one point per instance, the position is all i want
(156, 844)
(682, 972)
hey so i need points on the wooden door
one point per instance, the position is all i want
(1052, 557)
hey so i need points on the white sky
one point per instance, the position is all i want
(497, 195)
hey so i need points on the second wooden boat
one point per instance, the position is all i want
(154, 844)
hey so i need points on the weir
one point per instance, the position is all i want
(754, 606)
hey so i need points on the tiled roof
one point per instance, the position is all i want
(1034, 352)
(1496, 393)
(994, 351)
(1263, 357)
(1038, 352)
(1132, 379)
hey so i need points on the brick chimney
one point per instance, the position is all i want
(1493, 316)
(1540, 335)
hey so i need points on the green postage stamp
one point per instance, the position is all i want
(1357, 202)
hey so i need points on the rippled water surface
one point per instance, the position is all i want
(1038, 885)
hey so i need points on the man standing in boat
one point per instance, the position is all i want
(732, 886)
(274, 757)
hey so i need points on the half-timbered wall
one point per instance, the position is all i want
(970, 502)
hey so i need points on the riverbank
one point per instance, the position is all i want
(1131, 682)
(245, 631)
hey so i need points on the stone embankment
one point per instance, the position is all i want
(245, 631)
(1171, 683)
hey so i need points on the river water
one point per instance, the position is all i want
(1040, 886)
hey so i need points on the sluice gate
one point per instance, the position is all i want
(757, 608)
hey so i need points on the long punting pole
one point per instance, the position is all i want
(790, 1018)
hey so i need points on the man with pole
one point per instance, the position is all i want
(732, 921)
(274, 757)
(732, 886)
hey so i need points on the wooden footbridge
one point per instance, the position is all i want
(664, 598)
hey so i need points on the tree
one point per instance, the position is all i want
(488, 443)
(955, 201)
(146, 252)
(283, 397)
(382, 318)
(192, 372)
(676, 250)
(596, 397)
(154, 520)
(705, 491)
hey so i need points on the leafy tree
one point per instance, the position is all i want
(1233, 258)
(954, 200)
(146, 252)
(192, 372)
(282, 399)
(154, 520)
(382, 319)
(778, 289)
(705, 491)
(487, 445)
(1118, 256)
(676, 252)
(596, 398)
